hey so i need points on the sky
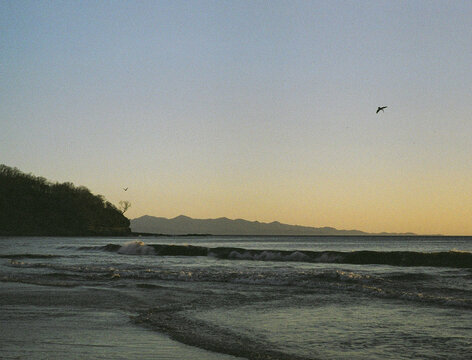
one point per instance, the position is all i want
(261, 110)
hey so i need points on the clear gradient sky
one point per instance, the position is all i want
(263, 110)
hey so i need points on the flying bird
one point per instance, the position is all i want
(125, 189)
(380, 108)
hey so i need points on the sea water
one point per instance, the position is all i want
(236, 297)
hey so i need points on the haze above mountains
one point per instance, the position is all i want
(183, 225)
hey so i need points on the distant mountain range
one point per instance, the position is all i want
(184, 225)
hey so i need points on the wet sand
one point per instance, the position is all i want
(32, 329)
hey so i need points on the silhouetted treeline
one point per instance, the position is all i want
(31, 205)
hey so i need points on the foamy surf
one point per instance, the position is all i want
(453, 258)
(288, 299)
(136, 248)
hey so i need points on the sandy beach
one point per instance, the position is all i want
(38, 322)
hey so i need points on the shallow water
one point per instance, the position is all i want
(250, 297)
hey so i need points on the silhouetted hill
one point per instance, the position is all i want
(182, 225)
(31, 205)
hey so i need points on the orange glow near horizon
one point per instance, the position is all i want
(424, 205)
(256, 110)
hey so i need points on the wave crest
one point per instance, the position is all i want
(136, 248)
(453, 258)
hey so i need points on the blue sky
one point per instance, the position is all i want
(258, 110)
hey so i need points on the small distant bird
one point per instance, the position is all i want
(125, 189)
(380, 108)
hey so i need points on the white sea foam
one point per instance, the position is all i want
(297, 256)
(136, 248)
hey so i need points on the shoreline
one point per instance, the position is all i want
(97, 333)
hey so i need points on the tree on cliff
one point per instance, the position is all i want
(31, 205)
(124, 205)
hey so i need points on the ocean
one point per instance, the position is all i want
(222, 297)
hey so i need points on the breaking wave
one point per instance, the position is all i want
(453, 258)
(408, 286)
